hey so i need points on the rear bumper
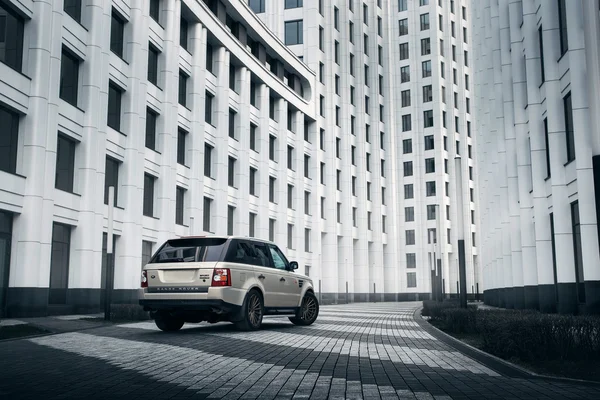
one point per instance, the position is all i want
(210, 305)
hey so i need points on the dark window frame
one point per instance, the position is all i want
(182, 136)
(115, 121)
(179, 205)
(148, 196)
(65, 182)
(9, 140)
(117, 33)
(69, 74)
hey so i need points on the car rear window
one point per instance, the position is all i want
(190, 250)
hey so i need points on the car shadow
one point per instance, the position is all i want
(226, 327)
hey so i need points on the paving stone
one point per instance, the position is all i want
(354, 351)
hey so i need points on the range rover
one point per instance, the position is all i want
(214, 279)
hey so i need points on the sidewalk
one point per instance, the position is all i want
(50, 325)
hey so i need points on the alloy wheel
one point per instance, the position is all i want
(254, 310)
(309, 308)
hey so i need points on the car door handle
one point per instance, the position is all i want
(282, 279)
(261, 276)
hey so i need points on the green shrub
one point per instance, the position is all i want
(433, 309)
(524, 334)
(460, 320)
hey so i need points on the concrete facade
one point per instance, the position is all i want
(327, 189)
(536, 86)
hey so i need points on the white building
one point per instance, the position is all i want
(537, 82)
(329, 127)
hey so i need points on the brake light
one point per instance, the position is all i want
(144, 279)
(221, 277)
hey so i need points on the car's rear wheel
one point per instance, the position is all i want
(252, 312)
(167, 323)
(309, 311)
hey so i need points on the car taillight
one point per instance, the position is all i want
(144, 279)
(221, 277)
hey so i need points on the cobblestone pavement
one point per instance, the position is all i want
(357, 351)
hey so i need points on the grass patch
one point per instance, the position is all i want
(21, 330)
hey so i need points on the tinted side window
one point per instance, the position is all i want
(262, 255)
(278, 258)
(241, 252)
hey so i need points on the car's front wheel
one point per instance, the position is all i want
(167, 323)
(252, 312)
(309, 311)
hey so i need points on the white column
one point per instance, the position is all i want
(195, 199)
(543, 240)
(556, 133)
(528, 260)
(32, 229)
(515, 292)
(221, 150)
(584, 133)
(129, 248)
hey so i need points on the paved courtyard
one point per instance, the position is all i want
(357, 351)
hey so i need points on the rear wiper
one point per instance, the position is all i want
(168, 260)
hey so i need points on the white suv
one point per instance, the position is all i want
(195, 279)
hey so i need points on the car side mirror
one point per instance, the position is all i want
(293, 265)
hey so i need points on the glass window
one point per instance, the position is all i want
(190, 250)
(183, 78)
(425, 46)
(406, 123)
(181, 148)
(72, 8)
(409, 214)
(568, 110)
(148, 205)
(424, 22)
(9, 139)
(429, 142)
(403, 26)
(117, 32)
(427, 94)
(69, 77)
(114, 107)
(279, 259)
(154, 9)
(562, 26)
(208, 160)
(179, 205)
(294, 32)
(428, 118)
(411, 279)
(65, 163)
(111, 178)
(405, 98)
(293, 4)
(404, 51)
(426, 67)
(429, 165)
(404, 74)
(411, 260)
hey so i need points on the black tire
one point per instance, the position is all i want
(252, 312)
(167, 323)
(308, 312)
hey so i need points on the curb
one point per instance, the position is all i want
(481, 356)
